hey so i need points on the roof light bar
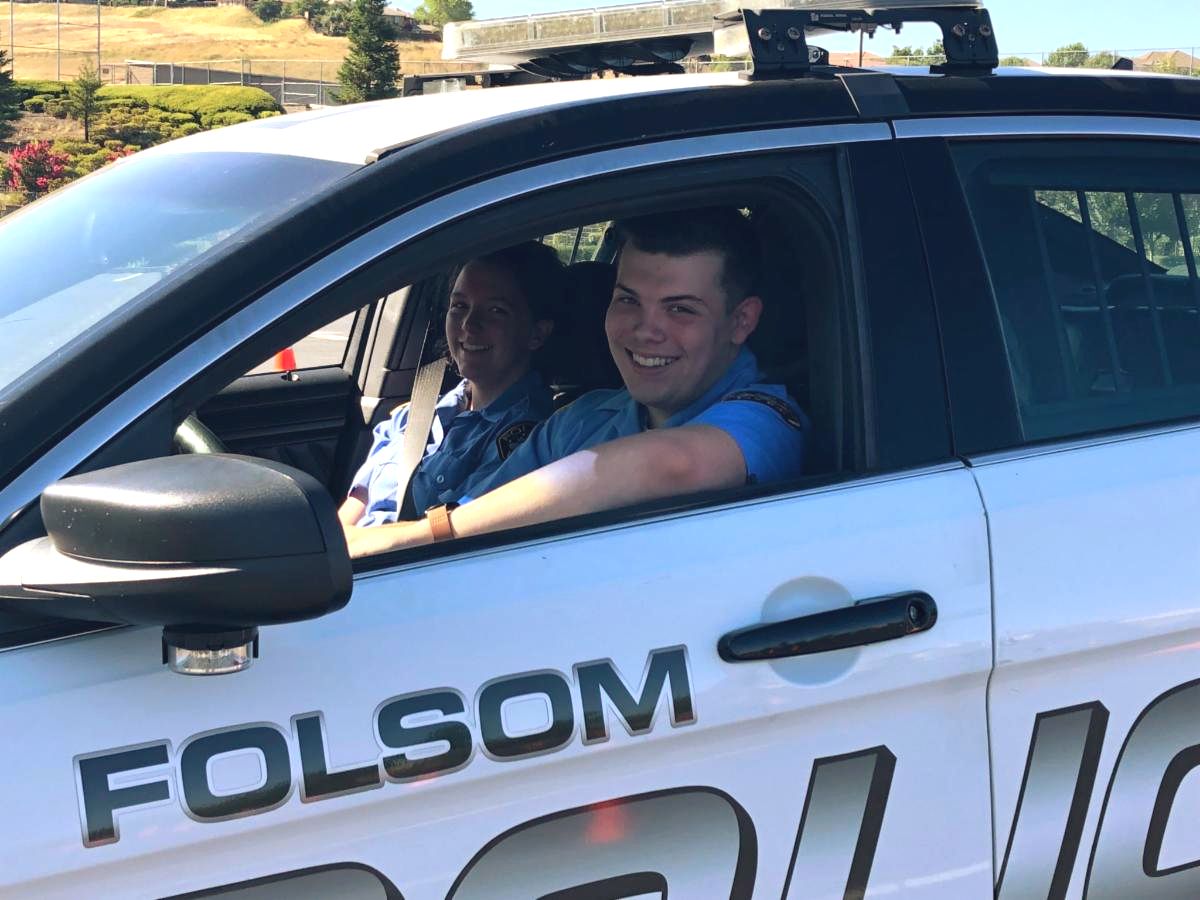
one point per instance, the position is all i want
(776, 37)
(654, 36)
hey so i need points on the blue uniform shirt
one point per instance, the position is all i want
(764, 421)
(462, 443)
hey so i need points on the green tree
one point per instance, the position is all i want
(306, 9)
(10, 97)
(1104, 59)
(439, 12)
(334, 21)
(1069, 56)
(1013, 61)
(371, 66)
(915, 56)
(82, 101)
(268, 10)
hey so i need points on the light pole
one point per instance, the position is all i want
(58, 41)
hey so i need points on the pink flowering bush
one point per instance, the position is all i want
(36, 168)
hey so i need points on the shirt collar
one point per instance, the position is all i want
(519, 390)
(742, 372)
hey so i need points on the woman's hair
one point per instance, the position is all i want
(538, 272)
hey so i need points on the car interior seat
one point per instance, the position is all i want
(799, 340)
(1137, 301)
(577, 358)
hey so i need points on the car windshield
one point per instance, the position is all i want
(77, 257)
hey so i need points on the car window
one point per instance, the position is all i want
(324, 347)
(581, 244)
(133, 226)
(1091, 250)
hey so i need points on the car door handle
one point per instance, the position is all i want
(866, 622)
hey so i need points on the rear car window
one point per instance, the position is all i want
(1091, 249)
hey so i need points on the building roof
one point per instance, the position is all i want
(1175, 58)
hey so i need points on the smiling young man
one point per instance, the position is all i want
(693, 415)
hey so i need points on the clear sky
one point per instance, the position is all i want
(1022, 26)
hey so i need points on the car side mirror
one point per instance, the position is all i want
(208, 546)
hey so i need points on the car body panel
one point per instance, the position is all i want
(463, 622)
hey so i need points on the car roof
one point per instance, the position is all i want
(356, 132)
(361, 132)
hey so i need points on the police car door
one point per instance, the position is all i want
(773, 693)
(1091, 245)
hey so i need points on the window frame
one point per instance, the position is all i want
(983, 397)
(419, 243)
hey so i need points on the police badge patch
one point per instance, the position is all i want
(778, 405)
(513, 437)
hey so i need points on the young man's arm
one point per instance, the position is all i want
(643, 467)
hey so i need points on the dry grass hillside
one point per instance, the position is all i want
(173, 35)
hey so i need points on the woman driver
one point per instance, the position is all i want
(501, 311)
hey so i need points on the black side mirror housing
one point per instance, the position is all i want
(205, 539)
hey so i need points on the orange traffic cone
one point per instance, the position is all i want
(285, 360)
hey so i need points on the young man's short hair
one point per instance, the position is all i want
(713, 229)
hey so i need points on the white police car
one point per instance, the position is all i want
(961, 657)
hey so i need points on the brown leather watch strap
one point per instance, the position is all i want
(439, 522)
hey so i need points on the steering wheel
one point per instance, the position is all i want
(193, 436)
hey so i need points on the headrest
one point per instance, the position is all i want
(579, 350)
(1170, 291)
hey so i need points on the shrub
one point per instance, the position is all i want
(83, 156)
(34, 104)
(36, 168)
(199, 100)
(226, 117)
(29, 89)
(269, 114)
(123, 102)
(268, 10)
(141, 127)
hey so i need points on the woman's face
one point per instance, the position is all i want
(489, 327)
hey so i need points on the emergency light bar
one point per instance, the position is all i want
(656, 36)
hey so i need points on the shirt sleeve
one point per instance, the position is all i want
(385, 434)
(768, 428)
(536, 451)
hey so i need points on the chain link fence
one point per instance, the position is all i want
(292, 82)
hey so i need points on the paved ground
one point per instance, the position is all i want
(324, 347)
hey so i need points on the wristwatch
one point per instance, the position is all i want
(439, 521)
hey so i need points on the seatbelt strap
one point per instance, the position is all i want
(427, 388)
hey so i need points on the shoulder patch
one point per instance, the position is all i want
(513, 437)
(777, 404)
